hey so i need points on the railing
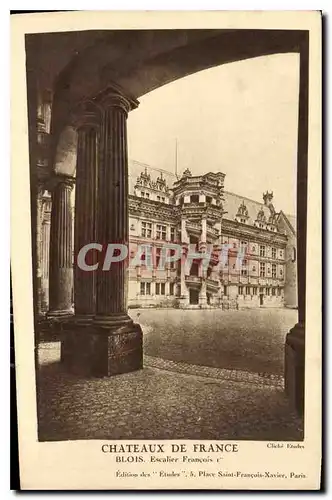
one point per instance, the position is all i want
(214, 284)
(214, 233)
(193, 280)
(194, 227)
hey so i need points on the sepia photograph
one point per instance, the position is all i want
(168, 187)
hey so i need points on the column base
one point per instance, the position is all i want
(59, 314)
(102, 351)
(295, 367)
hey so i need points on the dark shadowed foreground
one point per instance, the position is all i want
(154, 403)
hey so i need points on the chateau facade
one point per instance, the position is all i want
(196, 210)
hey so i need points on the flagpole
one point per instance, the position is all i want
(176, 158)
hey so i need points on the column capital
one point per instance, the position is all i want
(85, 114)
(67, 180)
(114, 97)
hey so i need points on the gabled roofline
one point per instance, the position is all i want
(290, 225)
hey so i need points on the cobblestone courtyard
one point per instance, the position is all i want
(168, 399)
(249, 340)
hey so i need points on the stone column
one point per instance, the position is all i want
(204, 228)
(87, 121)
(46, 225)
(111, 344)
(184, 271)
(61, 268)
(184, 233)
(295, 340)
(202, 294)
(39, 243)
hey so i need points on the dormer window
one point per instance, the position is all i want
(242, 214)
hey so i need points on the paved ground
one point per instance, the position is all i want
(247, 340)
(156, 403)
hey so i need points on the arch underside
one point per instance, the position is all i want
(144, 60)
(139, 61)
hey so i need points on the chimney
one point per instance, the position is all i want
(268, 197)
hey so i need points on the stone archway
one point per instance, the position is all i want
(112, 70)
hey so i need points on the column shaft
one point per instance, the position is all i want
(61, 270)
(85, 227)
(112, 212)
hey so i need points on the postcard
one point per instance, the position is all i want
(166, 249)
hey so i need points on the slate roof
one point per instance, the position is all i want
(231, 203)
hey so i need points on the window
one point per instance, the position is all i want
(247, 290)
(172, 263)
(261, 290)
(163, 199)
(158, 198)
(142, 194)
(243, 221)
(262, 250)
(273, 291)
(146, 229)
(280, 253)
(254, 291)
(172, 233)
(171, 288)
(145, 288)
(244, 244)
(225, 290)
(274, 253)
(160, 288)
(262, 269)
(274, 271)
(161, 232)
(240, 290)
(243, 272)
(279, 292)
(253, 249)
(158, 254)
(280, 272)
(254, 268)
(147, 195)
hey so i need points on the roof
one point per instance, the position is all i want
(135, 168)
(231, 203)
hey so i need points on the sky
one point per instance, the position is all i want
(238, 118)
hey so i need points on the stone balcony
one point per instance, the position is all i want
(212, 285)
(193, 281)
(194, 228)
